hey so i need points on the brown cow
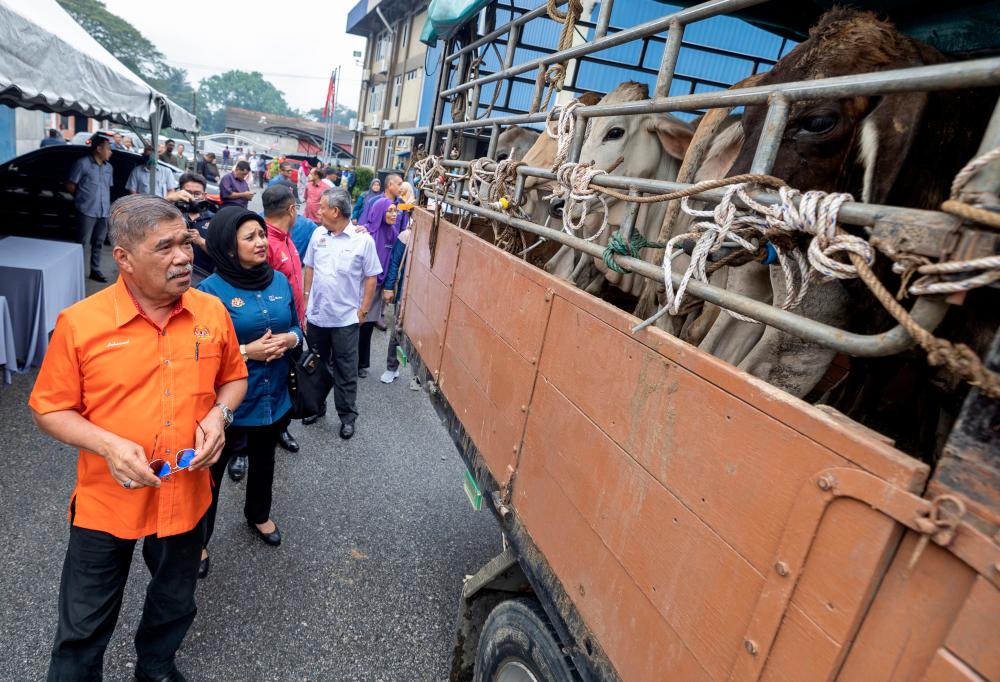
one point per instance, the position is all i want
(900, 149)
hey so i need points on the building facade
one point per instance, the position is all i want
(393, 78)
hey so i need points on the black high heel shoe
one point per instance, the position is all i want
(273, 538)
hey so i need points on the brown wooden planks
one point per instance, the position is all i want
(801, 652)
(736, 467)
(848, 557)
(513, 305)
(975, 637)
(911, 615)
(698, 584)
(945, 667)
(487, 383)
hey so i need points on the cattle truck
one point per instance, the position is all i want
(666, 515)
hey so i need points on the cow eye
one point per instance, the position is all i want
(819, 123)
(614, 133)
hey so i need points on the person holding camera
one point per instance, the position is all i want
(197, 211)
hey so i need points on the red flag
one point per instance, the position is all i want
(331, 96)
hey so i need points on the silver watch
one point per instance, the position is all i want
(227, 414)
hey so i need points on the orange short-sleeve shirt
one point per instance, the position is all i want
(115, 367)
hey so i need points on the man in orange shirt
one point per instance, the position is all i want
(138, 372)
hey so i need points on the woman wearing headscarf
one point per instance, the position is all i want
(383, 228)
(260, 303)
(364, 201)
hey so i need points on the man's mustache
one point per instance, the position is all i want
(180, 272)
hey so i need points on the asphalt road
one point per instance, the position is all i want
(377, 537)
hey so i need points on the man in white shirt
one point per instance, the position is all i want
(254, 166)
(138, 179)
(341, 267)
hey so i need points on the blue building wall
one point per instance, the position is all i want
(697, 70)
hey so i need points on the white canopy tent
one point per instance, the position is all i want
(49, 62)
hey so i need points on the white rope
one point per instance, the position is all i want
(565, 127)
(815, 216)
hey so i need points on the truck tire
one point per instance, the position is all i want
(518, 644)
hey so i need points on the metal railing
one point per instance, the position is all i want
(778, 98)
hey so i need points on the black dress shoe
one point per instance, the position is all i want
(311, 420)
(288, 442)
(172, 676)
(238, 468)
(98, 277)
(346, 431)
(363, 373)
(273, 538)
(203, 566)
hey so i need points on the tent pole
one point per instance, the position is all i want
(154, 127)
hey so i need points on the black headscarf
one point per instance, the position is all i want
(221, 245)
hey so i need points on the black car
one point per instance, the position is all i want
(33, 197)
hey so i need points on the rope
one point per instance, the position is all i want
(573, 186)
(958, 357)
(565, 128)
(555, 75)
(618, 245)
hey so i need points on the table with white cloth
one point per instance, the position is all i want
(38, 278)
(8, 356)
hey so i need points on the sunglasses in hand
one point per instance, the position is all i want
(164, 468)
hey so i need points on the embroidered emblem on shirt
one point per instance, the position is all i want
(272, 298)
(237, 302)
(201, 331)
(284, 257)
(115, 344)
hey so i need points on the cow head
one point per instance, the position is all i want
(857, 144)
(643, 141)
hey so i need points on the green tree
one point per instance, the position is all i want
(238, 89)
(131, 48)
(342, 115)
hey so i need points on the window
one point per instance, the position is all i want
(372, 105)
(404, 36)
(397, 89)
(388, 155)
(368, 150)
(411, 74)
(380, 46)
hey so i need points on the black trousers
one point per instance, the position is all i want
(338, 348)
(257, 443)
(90, 599)
(365, 345)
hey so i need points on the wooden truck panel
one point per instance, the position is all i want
(703, 524)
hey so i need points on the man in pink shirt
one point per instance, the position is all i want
(280, 211)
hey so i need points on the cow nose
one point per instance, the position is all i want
(556, 208)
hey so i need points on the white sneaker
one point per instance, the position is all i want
(388, 377)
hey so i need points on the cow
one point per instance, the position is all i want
(901, 149)
(641, 146)
(514, 143)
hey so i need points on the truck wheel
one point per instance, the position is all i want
(518, 644)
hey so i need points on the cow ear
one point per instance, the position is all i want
(722, 153)
(674, 135)
(886, 135)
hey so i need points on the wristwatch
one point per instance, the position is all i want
(227, 414)
(243, 351)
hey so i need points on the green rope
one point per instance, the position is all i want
(617, 244)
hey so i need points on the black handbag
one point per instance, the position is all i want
(309, 383)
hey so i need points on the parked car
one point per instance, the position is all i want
(84, 137)
(33, 197)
